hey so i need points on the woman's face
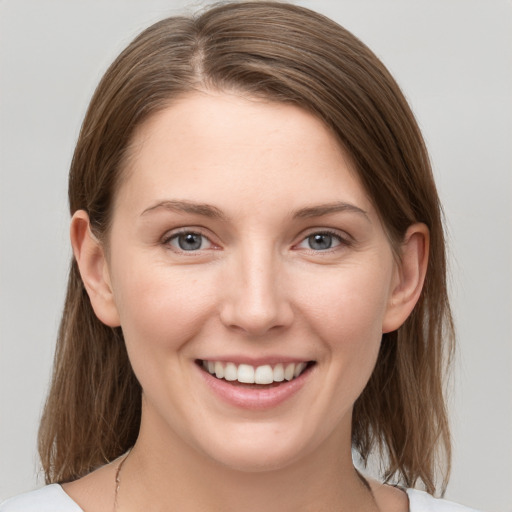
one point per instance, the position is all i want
(244, 245)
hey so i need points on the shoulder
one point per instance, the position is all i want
(420, 501)
(51, 498)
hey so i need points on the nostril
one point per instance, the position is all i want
(256, 323)
(255, 304)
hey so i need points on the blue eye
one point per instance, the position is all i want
(321, 241)
(189, 241)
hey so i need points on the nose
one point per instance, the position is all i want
(255, 295)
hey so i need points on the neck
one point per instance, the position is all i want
(173, 473)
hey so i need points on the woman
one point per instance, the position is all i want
(258, 284)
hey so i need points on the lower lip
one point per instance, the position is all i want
(252, 397)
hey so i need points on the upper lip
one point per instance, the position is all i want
(256, 361)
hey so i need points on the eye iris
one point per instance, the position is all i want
(189, 241)
(320, 241)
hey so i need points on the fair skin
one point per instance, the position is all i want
(241, 235)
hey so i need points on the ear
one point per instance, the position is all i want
(90, 256)
(409, 276)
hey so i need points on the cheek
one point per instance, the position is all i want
(160, 308)
(348, 304)
(347, 313)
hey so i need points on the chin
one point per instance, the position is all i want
(254, 460)
(257, 451)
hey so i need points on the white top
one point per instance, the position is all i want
(52, 498)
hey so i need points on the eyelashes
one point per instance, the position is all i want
(189, 241)
(322, 241)
(194, 241)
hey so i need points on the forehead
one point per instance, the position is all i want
(211, 145)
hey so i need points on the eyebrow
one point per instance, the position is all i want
(208, 210)
(203, 209)
(329, 208)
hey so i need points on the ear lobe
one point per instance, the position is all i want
(92, 263)
(409, 278)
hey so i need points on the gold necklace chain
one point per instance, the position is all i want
(118, 480)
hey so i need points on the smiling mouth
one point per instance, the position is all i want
(261, 375)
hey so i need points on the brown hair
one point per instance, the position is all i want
(287, 54)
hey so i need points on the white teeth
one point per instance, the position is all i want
(289, 371)
(278, 373)
(299, 369)
(230, 372)
(264, 375)
(219, 370)
(247, 374)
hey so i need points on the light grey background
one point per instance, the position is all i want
(453, 59)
